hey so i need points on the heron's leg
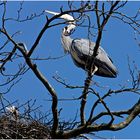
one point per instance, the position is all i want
(95, 69)
(90, 75)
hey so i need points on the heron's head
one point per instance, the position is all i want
(12, 109)
(68, 30)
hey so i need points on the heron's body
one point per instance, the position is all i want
(81, 51)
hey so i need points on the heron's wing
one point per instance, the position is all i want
(82, 50)
(105, 64)
(83, 47)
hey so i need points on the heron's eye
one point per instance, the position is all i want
(16, 108)
(66, 27)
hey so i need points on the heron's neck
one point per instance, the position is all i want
(66, 42)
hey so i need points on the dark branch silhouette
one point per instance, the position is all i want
(18, 51)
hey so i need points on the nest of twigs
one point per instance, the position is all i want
(16, 129)
(29, 122)
(24, 126)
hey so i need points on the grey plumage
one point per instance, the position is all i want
(81, 51)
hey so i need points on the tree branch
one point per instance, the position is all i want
(95, 53)
(42, 79)
(46, 26)
(93, 128)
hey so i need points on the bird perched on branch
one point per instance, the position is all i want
(81, 51)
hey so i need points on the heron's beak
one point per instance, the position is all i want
(66, 17)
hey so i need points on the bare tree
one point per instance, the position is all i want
(15, 51)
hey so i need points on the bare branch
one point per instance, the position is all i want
(112, 127)
(42, 79)
(46, 26)
(95, 52)
(72, 128)
(97, 14)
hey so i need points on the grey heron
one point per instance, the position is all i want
(81, 51)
